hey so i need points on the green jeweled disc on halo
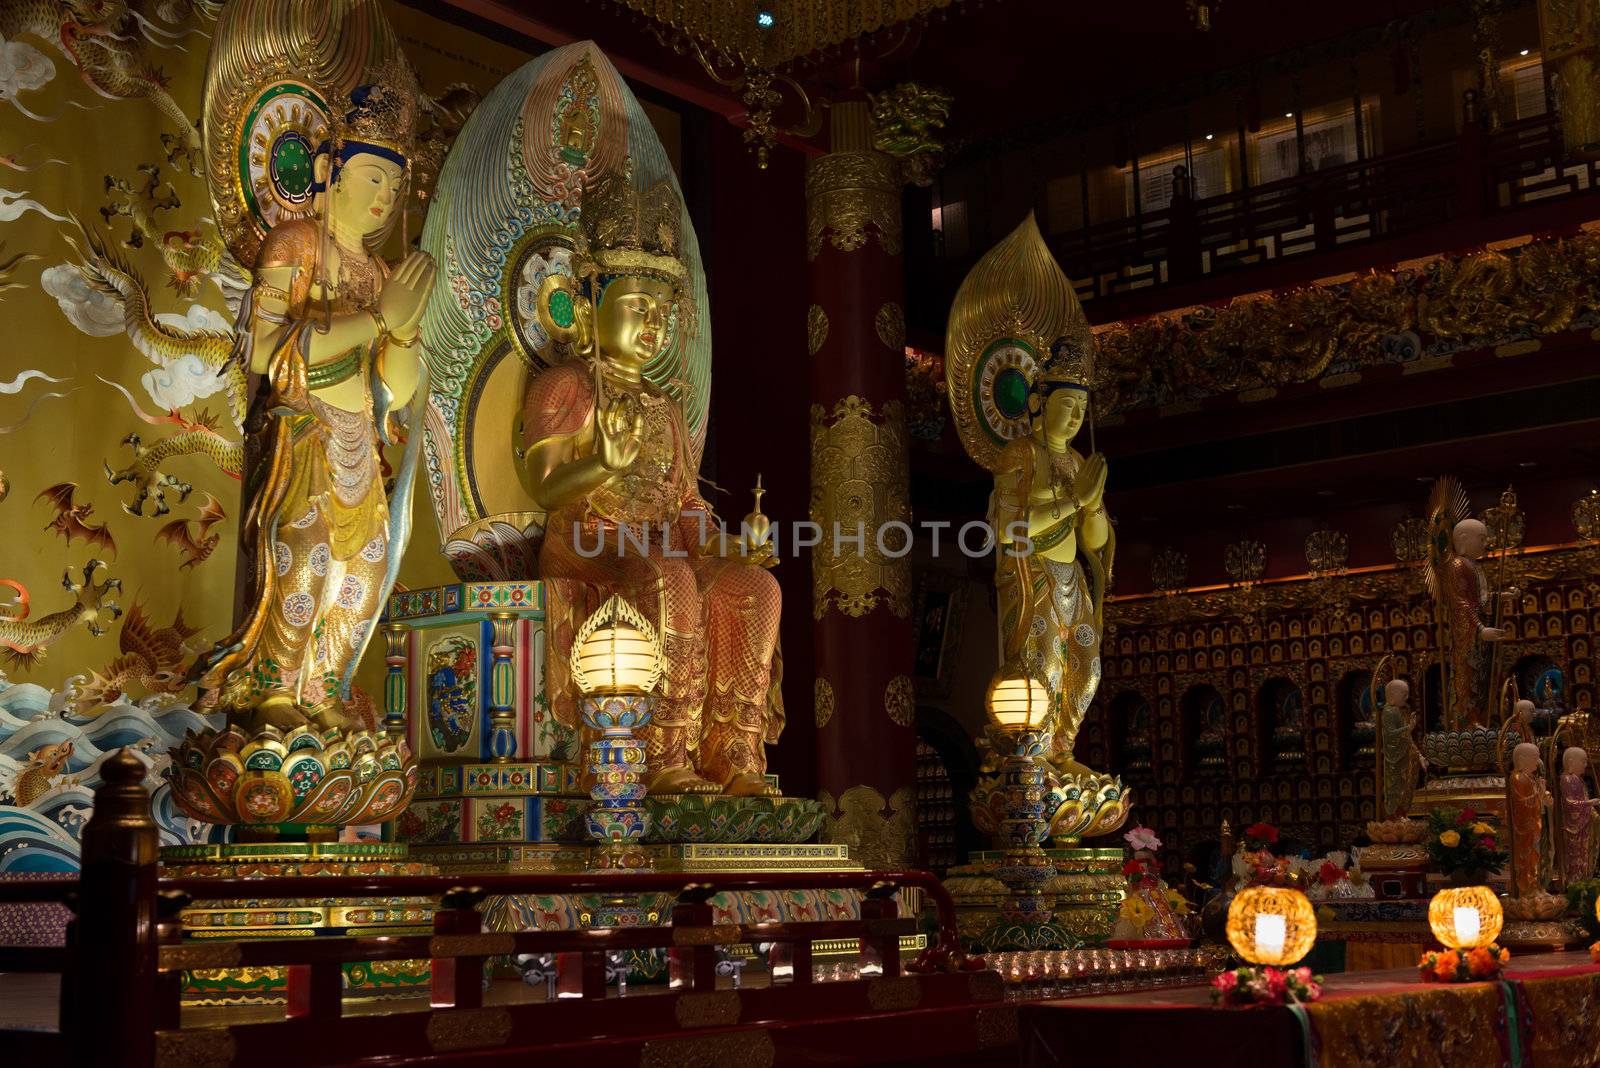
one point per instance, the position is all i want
(291, 165)
(1011, 392)
(561, 311)
(1001, 377)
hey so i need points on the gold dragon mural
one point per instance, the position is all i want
(120, 412)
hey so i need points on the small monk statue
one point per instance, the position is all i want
(607, 454)
(1526, 800)
(1401, 759)
(1466, 605)
(1522, 720)
(1577, 817)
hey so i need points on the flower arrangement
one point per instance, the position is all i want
(1459, 842)
(1260, 837)
(1264, 869)
(1330, 879)
(1464, 965)
(1594, 952)
(1252, 985)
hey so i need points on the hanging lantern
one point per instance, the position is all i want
(1271, 925)
(1465, 917)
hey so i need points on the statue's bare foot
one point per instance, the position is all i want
(749, 784)
(277, 711)
(681, 780)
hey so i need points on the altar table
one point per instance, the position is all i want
(1545, 1013)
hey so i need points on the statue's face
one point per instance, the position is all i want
(1064, 410)
(366, 193)
(1525, 757)
(1574, 761)
(631, 325)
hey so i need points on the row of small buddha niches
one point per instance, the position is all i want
(1258, 706)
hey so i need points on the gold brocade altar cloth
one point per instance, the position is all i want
(1545, 1013)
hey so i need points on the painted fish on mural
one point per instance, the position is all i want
(45, 764)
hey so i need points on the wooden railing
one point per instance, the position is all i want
(125, 956)
(1384, 196)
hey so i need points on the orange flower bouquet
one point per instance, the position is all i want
(1464, 965)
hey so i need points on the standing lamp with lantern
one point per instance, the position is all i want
(1021, 716)
(1272, 928)
(1466, 920)
(616, 663)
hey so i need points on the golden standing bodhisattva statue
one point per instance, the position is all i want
(1019, 363)
(608, 456)
(333, 331)
(1051, 585)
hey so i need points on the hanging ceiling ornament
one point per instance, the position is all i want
(751, 51)
(1200, 12)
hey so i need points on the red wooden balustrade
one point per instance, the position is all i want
(124, 959)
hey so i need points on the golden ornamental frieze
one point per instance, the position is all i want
(1407, 316)
(1308, 594)
(860, 488)
(850, 195)
(880, 833)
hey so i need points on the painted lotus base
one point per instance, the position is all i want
(302, 781)
(212, 928)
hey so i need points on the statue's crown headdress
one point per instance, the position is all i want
(1071, 360)
(382, 114)
(634, 231)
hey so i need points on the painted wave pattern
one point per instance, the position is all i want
(43, 835)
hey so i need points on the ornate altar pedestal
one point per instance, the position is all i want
(222, 922)
(1398, 870)
(1087, 890)
(502, 787)
(1472, 778)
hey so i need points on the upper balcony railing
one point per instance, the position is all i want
(1387, 196)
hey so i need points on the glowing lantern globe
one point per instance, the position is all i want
(1016, 702)
(616, 651)
(1465, 917)
(1271, 925)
